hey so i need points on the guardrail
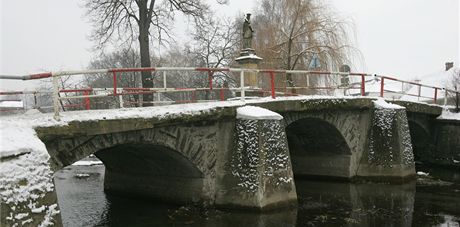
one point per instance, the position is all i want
(269, 82)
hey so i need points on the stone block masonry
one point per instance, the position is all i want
(258, 173)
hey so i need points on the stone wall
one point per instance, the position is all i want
(447, 143)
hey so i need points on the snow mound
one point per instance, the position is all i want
(382, 104)
(447, 115)
(87, 163)
(420, 173)
(256, 113)
(18, 140)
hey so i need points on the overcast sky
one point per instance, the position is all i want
(403, 38)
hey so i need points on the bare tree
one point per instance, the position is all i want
(455, 85)
(124, 58)
(216, 44)
(291, 32)
(127, 19)
(216, 41)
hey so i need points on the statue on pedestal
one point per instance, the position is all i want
(247, 32)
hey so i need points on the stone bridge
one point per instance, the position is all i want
(223, 159)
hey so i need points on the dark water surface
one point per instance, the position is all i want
(432, 200)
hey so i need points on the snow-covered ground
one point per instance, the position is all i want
(447, 115)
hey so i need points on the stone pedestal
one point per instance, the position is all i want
(249, 60)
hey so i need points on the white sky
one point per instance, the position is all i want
(402, 38)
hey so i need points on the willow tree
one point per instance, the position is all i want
(291, 33)
(125, 21)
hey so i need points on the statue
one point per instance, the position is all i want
(247, 32)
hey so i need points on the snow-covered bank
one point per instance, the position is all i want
(87, 163)
(447, 115)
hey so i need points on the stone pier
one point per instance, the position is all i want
(258, 174)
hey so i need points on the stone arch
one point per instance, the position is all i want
(348, 123)
(314, 135)
(196, 145)
(146, 158)
(319, 145)
(133, 160)
(422, 144)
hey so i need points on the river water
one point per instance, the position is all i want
(432, 200)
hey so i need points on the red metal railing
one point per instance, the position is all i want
(269, 82)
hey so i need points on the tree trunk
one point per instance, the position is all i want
(144, 45)
(290, 81)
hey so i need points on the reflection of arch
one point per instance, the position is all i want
(318, 148)
(421, 141)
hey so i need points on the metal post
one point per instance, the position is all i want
(164, 80)
(435, 94)
(87, 104)
(120, 99)
(56, 98)
(445, 96)
(272, 83)
(382, 84)
(222, 97)
(242, 94)
(114, 83)
(419, 92)
(457, 96)
(363, 85)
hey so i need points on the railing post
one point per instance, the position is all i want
(222, 97)
(114, 83)
(87, 104)
(56, 98)
(363, 85)
(272, 83)
(35, 100)
(419, 91)
(210, 84)
(164, 80)
(242, 94)
(445, 96)
(382, 84)
(210, 79)
(120, 99)
(435, 94)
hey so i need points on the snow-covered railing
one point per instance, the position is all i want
(408, 89)
(269, 82)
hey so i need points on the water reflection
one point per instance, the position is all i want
(430, 201)
(131, 212)
(342, 204)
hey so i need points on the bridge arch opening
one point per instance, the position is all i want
(318, 149)
(422, 144)
(151, 170)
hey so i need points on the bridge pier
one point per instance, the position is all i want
(258, 174)
(389, 149)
